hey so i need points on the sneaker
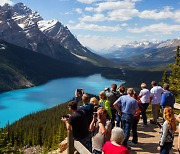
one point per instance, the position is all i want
(144, 125)
(130, 143)
(153, 122)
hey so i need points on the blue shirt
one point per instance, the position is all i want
(167, 99)
(127, 104)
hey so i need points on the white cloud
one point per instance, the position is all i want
(94, 18)
(154, 14)
(78, 10)
(105, 6)
(176, 16)
(122, 14)
(94, 27)
(89, 8)
(87, 1)
(161, 28)
(111, 11)
(2, 2)
(92, 41)
(124, 24)
(167, 13)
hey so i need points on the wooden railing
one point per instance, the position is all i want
(75, 145)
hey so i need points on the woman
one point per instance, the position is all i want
(101, 130)
(115, 145)
(167, 131)
(144, 96)
(94, 101)
(104, 102)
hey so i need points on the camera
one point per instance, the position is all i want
(95, 114)
(65, 116)
(80, 91)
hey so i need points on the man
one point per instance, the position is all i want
(121, 91)
(155, 98)
(145, 99)
(77, 122)
(167, 98)
(128, 105)
(87, 107)
(112, 96)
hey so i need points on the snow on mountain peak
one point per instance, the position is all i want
(47, 25)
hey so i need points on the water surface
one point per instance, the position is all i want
(18, 103)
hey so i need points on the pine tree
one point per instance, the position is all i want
(165, 78)
(174, 79)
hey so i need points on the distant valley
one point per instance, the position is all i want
(144, 54)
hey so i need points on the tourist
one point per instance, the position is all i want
(167, 131)
(112, 96)
(125, 106)
(104, 102)
(167, 98)
(178, 146)
(77, 122)
(115, 145)
(121, 91)
(155, 98)
(95, 102)
(87, 107)
(101, 130)
(144, 96)
(136, 115)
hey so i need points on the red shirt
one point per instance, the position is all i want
(110, 148)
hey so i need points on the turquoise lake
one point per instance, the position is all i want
(18, 103)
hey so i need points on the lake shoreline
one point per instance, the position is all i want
(18, 103)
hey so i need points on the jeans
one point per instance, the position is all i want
(134, 130)
(118, 119)
(166, 148)
(127, 120)
(145, 106)
(96, 152)
(113, 111)
(87, 143)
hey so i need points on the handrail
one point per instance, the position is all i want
(75, 145)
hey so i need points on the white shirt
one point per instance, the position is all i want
(145, 96)
(155, 93)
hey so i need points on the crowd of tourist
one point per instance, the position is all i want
(104, 124)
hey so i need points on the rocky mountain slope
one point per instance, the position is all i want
(21, 26)
(22, 68)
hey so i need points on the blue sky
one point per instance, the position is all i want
(101, 24)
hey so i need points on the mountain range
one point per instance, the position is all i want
(19, 25)
(144, 54)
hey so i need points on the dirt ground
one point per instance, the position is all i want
(148, 139)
